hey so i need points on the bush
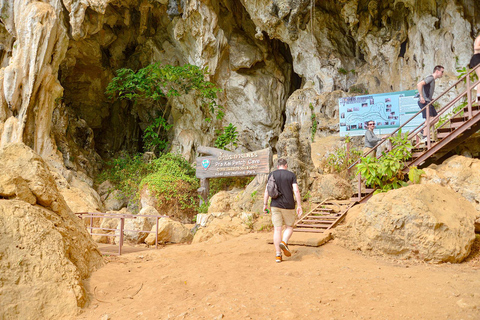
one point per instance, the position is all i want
(385, 173)
(173, 184)
(125, 173)
(340, 159)
(171, 179)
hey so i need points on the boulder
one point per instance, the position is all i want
(330, 186)
(425, 222)
(80, 197)
(138, 223)
(460, 174)
(105, 188)
(107, 223)
(221, 202)
(46, 251)
(115, 201)
(169, 231)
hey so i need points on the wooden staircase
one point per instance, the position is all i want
(444, 138)
(324, 216)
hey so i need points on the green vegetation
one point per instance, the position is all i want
(253, 196)
(152, 138)
(415, 174)
(126, 172)
(385, 173)
(170, 177)
(340, 158)
(357, 89)
(153, 84)
(227, 138)
(314, 122)
(173, 182)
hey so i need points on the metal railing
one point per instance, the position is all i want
(121, 229)
(430, 122)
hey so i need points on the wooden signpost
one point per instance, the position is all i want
(222, 164)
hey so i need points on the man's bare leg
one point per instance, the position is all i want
(287, 234)
(277, 238)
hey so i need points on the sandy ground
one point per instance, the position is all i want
(239, 279)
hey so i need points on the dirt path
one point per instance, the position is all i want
(238, 279)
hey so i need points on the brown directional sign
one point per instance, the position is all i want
(234, 165)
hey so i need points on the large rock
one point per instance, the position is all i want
(115, 201)
(426, 222)
(461, 174)
(134, 225)
(222, 201)
(45, 250)
(330, 186)
(169, 231)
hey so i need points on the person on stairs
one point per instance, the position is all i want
(283, 207)
(426, 87)
(371, 139)
(476, 61)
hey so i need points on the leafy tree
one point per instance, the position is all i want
(155, 83)
(227, 137)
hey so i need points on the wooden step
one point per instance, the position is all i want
(316, 225)
(442, 135)
(442, 130)
(320, 219)
(308, 230)
(475, 107)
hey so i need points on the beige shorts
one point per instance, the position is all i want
(282, 217)
(373, 154)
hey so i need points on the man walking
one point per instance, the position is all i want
(426, 87)
(283, 207)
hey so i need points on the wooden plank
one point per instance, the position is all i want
(316, 225)
(308, 230)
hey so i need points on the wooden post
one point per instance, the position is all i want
(204, 190)
(469, 97)
(427, 123)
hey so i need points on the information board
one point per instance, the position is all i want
(233, 165)
(388, 110)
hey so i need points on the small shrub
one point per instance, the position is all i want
(385, 173)
(173, 182)
(340, 159)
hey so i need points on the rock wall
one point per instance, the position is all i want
(271, 58)
(45, 250)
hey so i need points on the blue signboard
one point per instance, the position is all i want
(388, 110)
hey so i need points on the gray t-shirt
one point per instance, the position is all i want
(371, 139)
(428, 88)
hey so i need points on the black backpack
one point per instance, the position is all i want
(272, 187)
